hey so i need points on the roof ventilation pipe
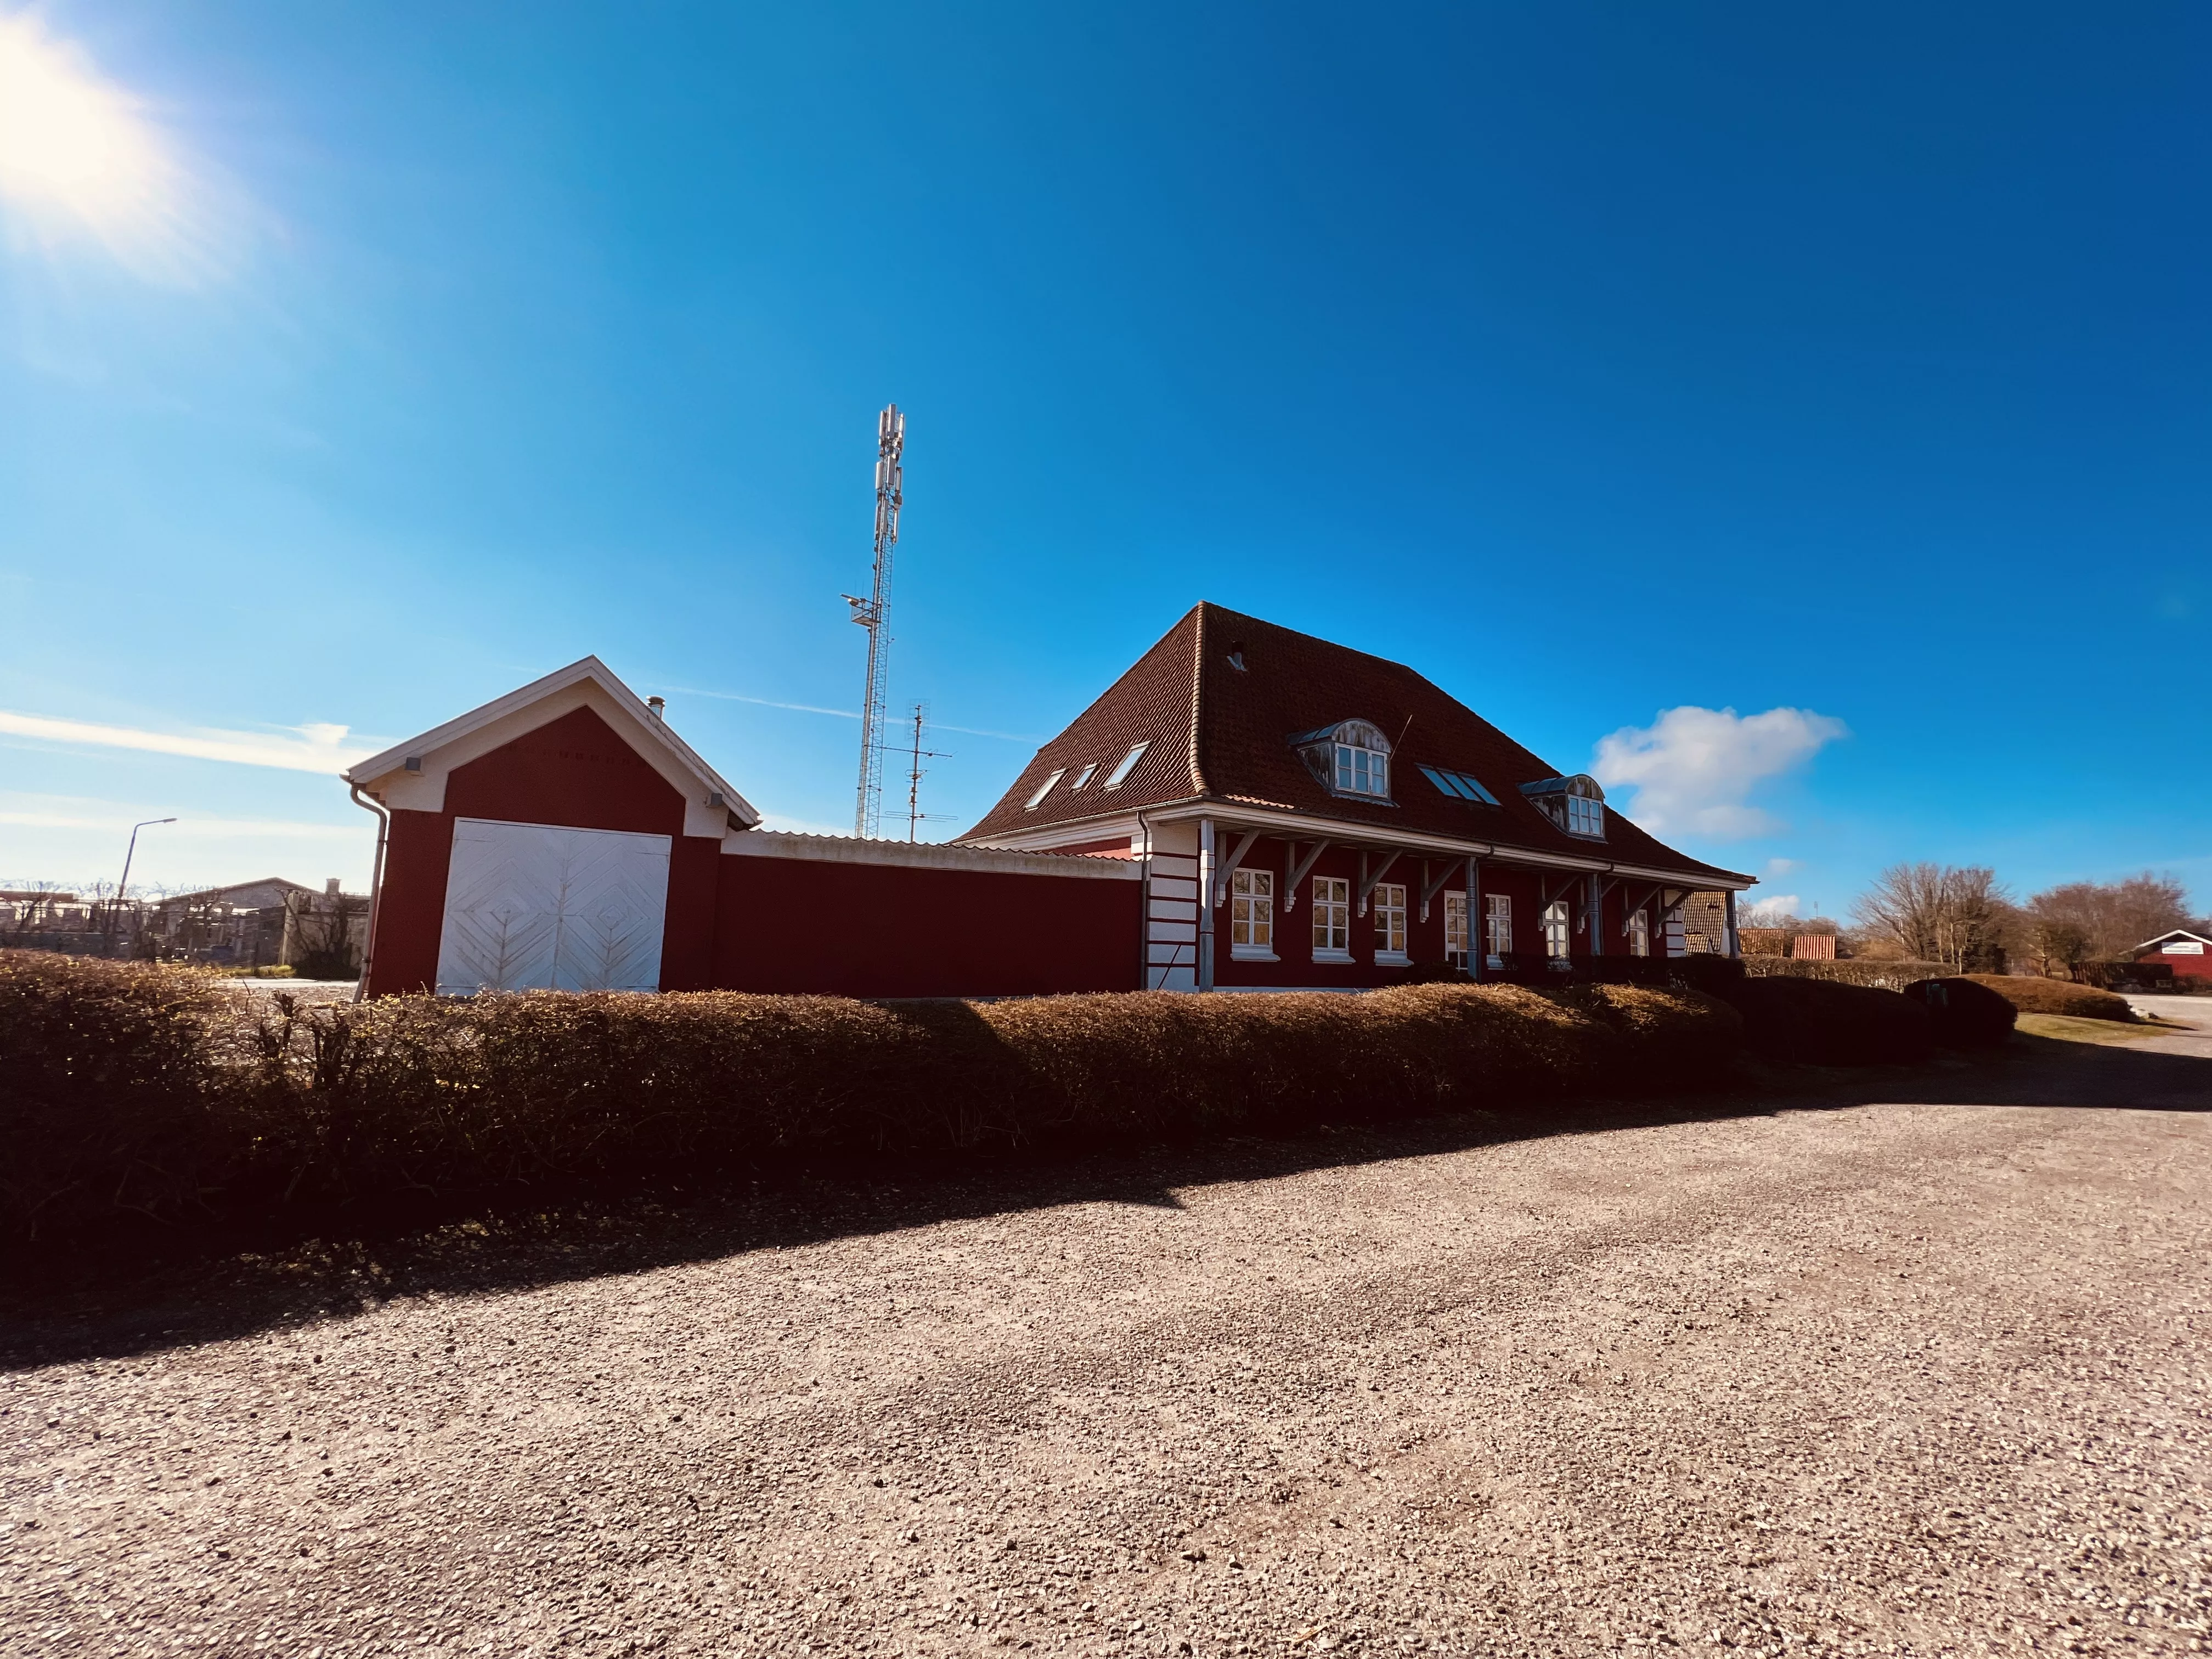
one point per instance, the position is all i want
(658, 706)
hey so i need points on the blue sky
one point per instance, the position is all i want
(1600, 361)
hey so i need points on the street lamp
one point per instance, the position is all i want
(129, 853)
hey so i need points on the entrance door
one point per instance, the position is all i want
(531, 907)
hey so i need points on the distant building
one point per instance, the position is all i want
(2189, 955)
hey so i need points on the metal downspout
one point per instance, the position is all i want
(1205, 905)
(375, 885)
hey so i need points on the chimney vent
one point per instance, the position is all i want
(331, 888)
(657, 705)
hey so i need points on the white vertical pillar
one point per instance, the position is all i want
(1478, 939)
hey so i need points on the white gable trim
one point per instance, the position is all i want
(2174, 932)
(588, 684)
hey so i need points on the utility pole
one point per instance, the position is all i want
(916, 755)
(873, 614)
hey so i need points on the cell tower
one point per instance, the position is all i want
(871, 613)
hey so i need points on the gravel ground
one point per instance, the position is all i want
(1856, 1376)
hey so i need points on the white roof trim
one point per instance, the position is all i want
(2171, 933)
(587, 668)
(924, 855)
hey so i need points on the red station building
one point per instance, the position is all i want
(1247, 808)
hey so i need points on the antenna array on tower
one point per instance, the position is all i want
(873, 613)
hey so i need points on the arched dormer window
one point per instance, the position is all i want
(1351, 757)
(1576, 804)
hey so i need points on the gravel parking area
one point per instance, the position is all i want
(1860, 1375)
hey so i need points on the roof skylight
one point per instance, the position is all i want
(1043, 790)
(1460, 785)
(1126, 764)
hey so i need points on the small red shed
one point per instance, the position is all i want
(564, 837)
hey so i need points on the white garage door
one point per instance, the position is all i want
(530, 907)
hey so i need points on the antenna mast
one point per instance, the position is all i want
(871, 613)
(915, 773)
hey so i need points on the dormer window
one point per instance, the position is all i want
(1576, 804)
(1352, 758)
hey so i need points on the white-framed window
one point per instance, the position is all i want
(1586, 817)
(1331, 918)
(1498, 927)
(1252, 915)
(1084, 775)
(1387, 904)
(1456, 929)
(1043, 790)
(1362, 771)
(1555, 930)
(1639, 932)
(1126, 764)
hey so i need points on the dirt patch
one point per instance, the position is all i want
(1893, 1378)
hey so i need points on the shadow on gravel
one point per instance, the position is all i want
(92, 1309)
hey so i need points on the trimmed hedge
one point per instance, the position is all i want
(1967, 1014)
(1854, 970)
(1818, 1022)
(2056, 996)
(147, 1090)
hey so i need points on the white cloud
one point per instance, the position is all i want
(315, 748)
(1782, 866)
(1769, 910)
(1694, 769)
(201, 828)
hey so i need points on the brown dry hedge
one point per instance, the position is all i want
(2056, 996)
(1965, 1014)
(153, 1092)
(1818, 1022)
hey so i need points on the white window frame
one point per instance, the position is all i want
(1558, 932)
(1126, 764)
(1252, 917)
(1639, 932)
(1586, 817)
(1387, 905)
(1363, 771)
(1043, 790)
(1084, 775)
(1331, 918)
(1455, 927)
(1497, 927)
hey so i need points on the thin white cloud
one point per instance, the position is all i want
(81, 157)
(1769, 910)
(315, 747)
(1694, 769)
(201, 828)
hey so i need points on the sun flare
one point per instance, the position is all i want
(75, 148)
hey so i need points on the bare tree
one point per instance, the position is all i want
(2080, 921)
(1955, 915)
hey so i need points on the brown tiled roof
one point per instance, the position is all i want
(1222, 733)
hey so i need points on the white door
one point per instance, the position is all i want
(530, 907)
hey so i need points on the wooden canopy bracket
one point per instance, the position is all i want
(1369, 880)
(1245, 843)
(1298, 872)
